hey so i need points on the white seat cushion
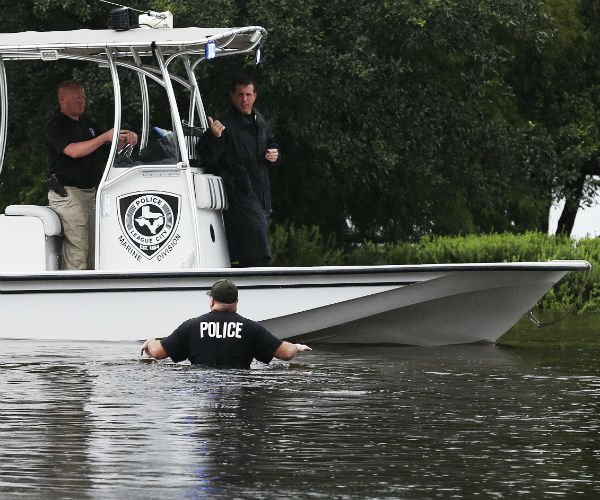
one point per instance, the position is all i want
(210, 192)
(49, 218)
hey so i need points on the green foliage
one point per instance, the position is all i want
(403, 123)
(558, 89)
(302, 246)
(575, 331)
(397, 120)
(506, 247)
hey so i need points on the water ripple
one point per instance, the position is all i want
(91, 421)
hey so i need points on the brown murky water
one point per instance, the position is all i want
(92, 421)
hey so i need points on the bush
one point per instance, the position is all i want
(303, 246)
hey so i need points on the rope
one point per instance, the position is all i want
(541, 324)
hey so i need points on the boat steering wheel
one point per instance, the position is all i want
(126, 150)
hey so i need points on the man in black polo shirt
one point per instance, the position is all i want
(71, 141)
(222, 338)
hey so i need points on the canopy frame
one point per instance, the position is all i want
(125, 49)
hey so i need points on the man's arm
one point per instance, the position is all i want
(211, 146)
(154, 349)
(272, 154)
(84, 148)
(287, 351)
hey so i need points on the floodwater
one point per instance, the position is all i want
(93, 421)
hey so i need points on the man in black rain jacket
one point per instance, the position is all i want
(239, 147)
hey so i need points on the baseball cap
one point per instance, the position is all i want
(224, 291)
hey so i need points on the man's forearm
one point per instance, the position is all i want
(84, 148)
(210, 149)
(287, 351)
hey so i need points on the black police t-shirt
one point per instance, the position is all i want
(221, 339)
(61, 131)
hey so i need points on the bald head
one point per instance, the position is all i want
(71, 97)
(68, 84)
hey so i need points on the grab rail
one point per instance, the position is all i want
(541, 324)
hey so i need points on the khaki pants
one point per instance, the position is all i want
(77, 212)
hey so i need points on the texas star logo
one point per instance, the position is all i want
(149, 219)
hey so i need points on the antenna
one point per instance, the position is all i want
(119, 5)
(160, 15)
(120, 17)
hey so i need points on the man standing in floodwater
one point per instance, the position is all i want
(71, 141)
(222, 338)
(239, 147)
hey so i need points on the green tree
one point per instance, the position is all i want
(400, 120)
(558, 89)
(397, 119)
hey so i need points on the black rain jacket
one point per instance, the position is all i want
(238, 157)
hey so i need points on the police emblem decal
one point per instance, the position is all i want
(149, 219)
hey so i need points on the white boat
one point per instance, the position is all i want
(148, 280)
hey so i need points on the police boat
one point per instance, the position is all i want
(160, 238)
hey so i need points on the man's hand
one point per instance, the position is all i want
(145, 348)
(216, 127)
(128, 137)
(125, 137)
(272, 155)
(302, 347)
(154, 349)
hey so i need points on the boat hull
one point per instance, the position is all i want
(412, 305)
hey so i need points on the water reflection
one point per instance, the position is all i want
(91, 421)
(43, 428)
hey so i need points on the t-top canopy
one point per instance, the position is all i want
(124, 49)
(94, 43)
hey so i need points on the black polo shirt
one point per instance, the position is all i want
(77, 172)
(221, 339)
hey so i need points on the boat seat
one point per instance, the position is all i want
(49, 218)
(210, 192)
